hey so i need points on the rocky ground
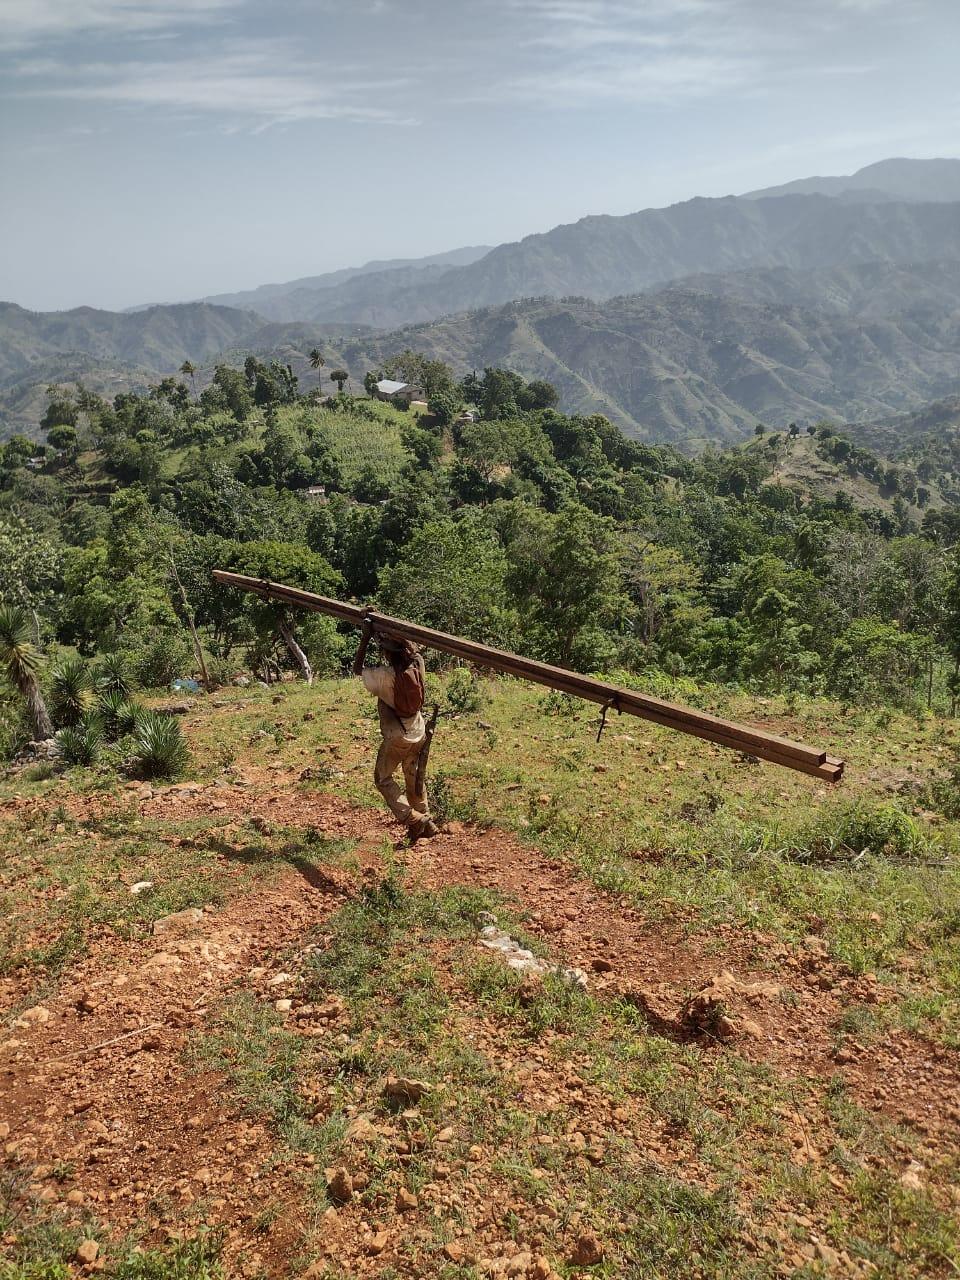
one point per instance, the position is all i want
(248, 1032)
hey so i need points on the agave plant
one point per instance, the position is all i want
(111, 704)
(21, 662)
(71, 691)
(129, 716)
(81, 743)
(114, 675)
(161, 747)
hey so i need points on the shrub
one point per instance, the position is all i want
(943, 791)
(161, 749)
(71, 691)
(327, 649)
(463, 692)
(855, 830)
(81, 743)
(128, 717)
(159, 659)
(14, 734)
(113, 674)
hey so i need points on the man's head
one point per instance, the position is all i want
(395, 649)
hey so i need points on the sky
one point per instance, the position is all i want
(163, 151)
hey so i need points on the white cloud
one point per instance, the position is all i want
(579, 52)
(666, 78)
(241, 82)
(26, 22)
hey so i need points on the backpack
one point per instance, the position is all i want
(408, 690)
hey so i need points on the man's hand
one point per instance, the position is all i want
(366, 631)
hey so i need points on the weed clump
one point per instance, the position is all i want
(857, 830)
(463, 692)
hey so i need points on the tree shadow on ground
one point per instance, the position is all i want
(317, 875)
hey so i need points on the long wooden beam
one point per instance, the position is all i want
(726, 733)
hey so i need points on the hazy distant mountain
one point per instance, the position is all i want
(266, 298)
(874, 289)
(600, 257)
(158, 338)
(899, 179)
(891, 435)
(690, 363)
(117, 351)
(764, 307)
(693, 367)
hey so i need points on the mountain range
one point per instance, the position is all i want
(897, 179)
(602, 257)
(286, 301)
(688, 323)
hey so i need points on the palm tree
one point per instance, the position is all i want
(21, 661)
(189, 370)
(317, 362)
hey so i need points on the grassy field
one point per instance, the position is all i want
(360, 442)
(559, 1131)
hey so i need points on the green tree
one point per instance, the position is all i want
(60, 412)
(667, 592)
(444, 407)
(189, 370)
(777, 652)
(486, 446)
(228, 393)
(64, 439)
(564, 578)
(539, 395)
(21, 662)
(340, 377)
(317, 362)
(451, 576)
(29, 565)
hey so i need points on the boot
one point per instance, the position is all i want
(424, 829)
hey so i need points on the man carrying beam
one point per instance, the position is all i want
(398, 686)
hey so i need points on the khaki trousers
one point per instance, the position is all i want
(407, 805)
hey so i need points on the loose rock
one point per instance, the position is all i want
(587, 1252)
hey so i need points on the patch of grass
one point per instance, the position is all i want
(40, 1243)
(260, 1059)
(551, 1002)
(679, 1229)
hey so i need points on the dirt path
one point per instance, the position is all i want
(136, 1132)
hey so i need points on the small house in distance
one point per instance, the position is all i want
(396, 392)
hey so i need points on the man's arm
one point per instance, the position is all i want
(366, 632)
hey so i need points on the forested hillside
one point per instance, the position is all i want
(691, 367)
(799, 562)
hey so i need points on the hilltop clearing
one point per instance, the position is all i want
(311, 1065)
